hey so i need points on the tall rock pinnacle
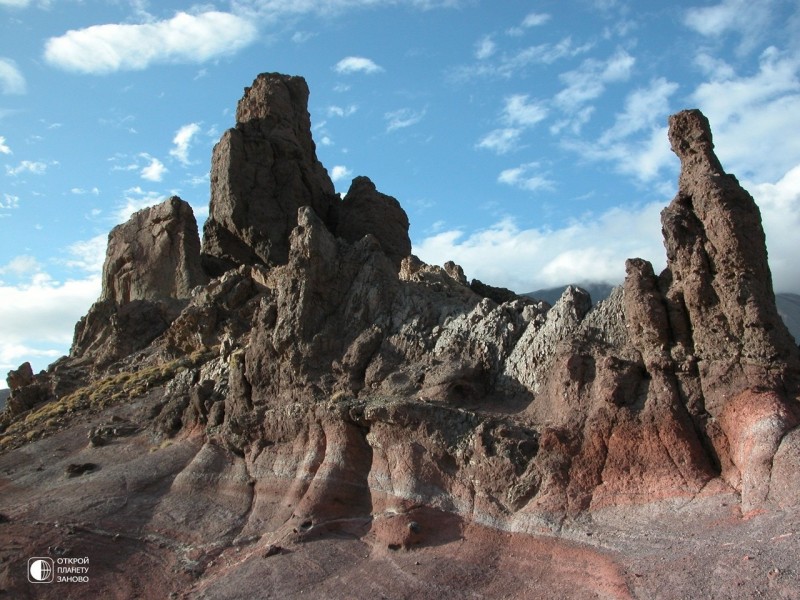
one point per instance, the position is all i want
(262, 171)
(717, 259)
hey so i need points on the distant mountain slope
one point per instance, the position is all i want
(3, 395)
(788, 304)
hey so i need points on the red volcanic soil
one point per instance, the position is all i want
(131, 516)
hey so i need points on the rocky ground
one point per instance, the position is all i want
(133, 516)
(299, 407)
(157, 518)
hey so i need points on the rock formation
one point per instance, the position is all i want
(326, 384)
(366, 211)
(152, 265)
(262, 171)
(266, 168)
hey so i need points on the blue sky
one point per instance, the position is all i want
(526, 140)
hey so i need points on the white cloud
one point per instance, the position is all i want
(485, 48)
(182, 141)
(340, 172)
(357, 64)
(637, 143)
(526, 177)
(37, 319)
(589, 80)
(82, 191)
(500, 141)
(510, 64)
(402, 118)
(519, 111)
(339, 111)
(275, 10)
(15, 3)
(88, 255)
(531, 20)
(21, 265)
(518, 114)
(11, 79)
(4, 149)
(27, 166)
(185, 38)
(301, 37)
(154, 171)
(750, 116)
(9, 201)
(750, 19)
(535, 19)
(780, 214)
(644, 107)
(593, 248)
(136, 199)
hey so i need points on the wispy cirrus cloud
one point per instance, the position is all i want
(402, 118)
(182, 141)
(275, 10)
(519, 113)
(527, 177)
(636, 144)
(28, 166)
(11, 79)
(751, 20)
(185, 38)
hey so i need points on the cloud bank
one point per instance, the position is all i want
(185, 38)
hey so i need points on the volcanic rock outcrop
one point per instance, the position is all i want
(151, 266)
(326, 381)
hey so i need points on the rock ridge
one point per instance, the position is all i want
(323, 381)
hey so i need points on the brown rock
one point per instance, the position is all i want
(262, 171)
(152, 264)
(155, 255)
(365, 210)
(718, 272)
(20, 377)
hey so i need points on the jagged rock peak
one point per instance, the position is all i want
(155, 255)
(275, 98)
(365, 210)
(262, 172)
(691, 139)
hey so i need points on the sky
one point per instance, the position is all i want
(527, 141)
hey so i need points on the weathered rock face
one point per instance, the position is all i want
(152, 265)
(20, 377)
(721, 311)
(366, 211)
(262, 171)
(154, 255)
